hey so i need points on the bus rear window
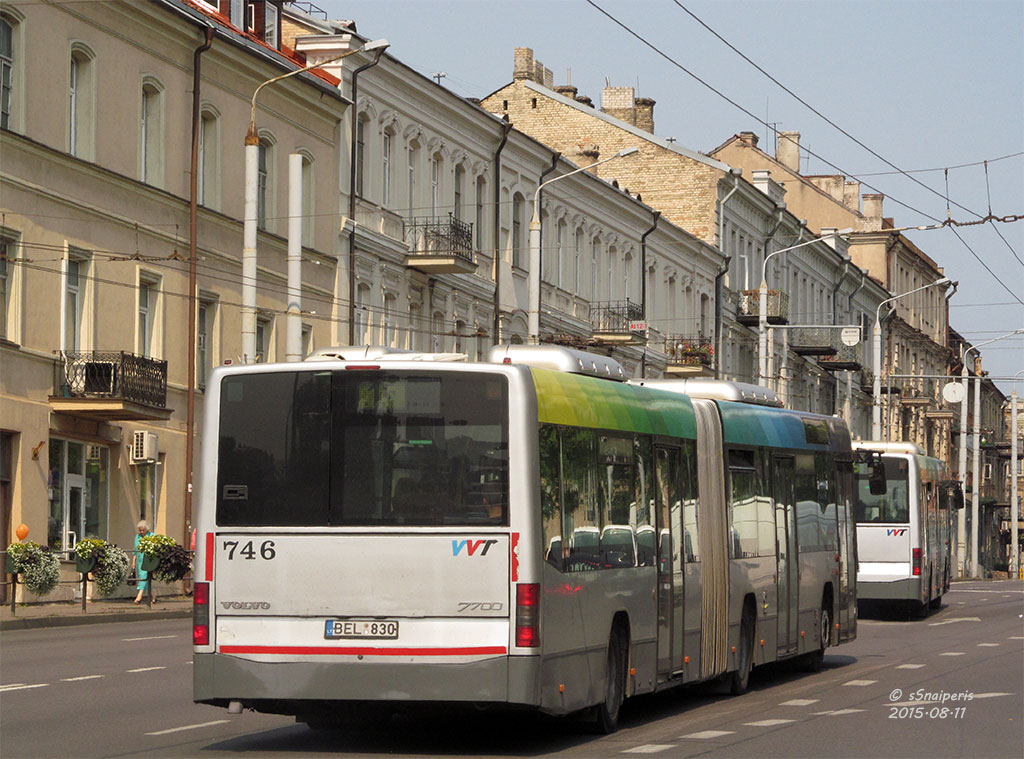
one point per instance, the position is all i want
(891, 507)
(366, 448)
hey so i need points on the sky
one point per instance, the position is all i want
(924, 85)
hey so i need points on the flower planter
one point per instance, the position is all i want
(85, 564)
(149, 562)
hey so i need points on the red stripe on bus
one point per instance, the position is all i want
(335, 651)
(209, 557)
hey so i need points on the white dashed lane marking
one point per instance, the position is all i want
(189, 727)
(838, 712)
(861, 683)
(650, 748)
(991, 695)
(769, 722)
(76, 679)
(800, 702)
(21, 686)
(988, 645)
(704, 735)
(952, 653)
(151, 637)
(910, 666)
(144, 669)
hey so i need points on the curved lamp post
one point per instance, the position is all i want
(252, 143)
(762, 302)
(534, 305)
(876, 350)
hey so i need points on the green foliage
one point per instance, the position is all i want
(37, 565)
(155, 545)
(112, 563)
(175, 563)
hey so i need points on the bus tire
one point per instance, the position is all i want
(815, 660)
(739, 680)
(605, 718)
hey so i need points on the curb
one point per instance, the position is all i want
(29, 623)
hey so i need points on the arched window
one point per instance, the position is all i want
(8, 71)
(460, 174)
(577, 256)
(151, 137)
(360, 152)
(517, 229)
(385, 158)
(436, 328)
(413, 159)
(81, 97)
(435, 183)
(481, 190)
(265, 180)
(362, 314)
(308, 202)
(208, 166)
(560, 252)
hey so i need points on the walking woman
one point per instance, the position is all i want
(142, 574)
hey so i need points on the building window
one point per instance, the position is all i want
(75, 273)
(208, 165)
(270, 24)
(517, 229)
(577, 256)
(237, 11)
(150, 134)
(411, 171)
(559, 252)
(457, 192)
(385, 185)
(480, 187)
(388, 324)
(264, 326)
(6, 71)
(308, 202)
(80, 103)
(8, 298)
(362, 320)
(149, 492)
(205, 315)
(264, 184)
(78, 488)
(435, 183)
(307, 339)
(436, 327)
(360, 153)
(144, 333)
(595, 245)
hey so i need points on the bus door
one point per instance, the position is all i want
(786, 556)
(847, 551)
(670, 562)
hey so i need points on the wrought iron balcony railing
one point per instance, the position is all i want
(612, 319)
(430, 236)
(114, 375)
(814, 341)
(778, 307)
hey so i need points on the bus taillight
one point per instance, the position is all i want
(201, 614)
(917, 562)
(527, 617)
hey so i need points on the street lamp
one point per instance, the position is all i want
(252, 142)
(762, 301)
(876, 345)
(976, 432)
(534, 305)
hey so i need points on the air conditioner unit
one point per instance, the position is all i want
(145, 448)
(93, 452)
(986, 472)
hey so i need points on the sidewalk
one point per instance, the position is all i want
(70, 612)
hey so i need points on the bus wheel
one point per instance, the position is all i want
(740, 679)
(606, 714)
(816, 659)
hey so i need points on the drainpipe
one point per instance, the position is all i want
(723, 270)
(352, 195)
(643, 286)
(496, 254)
(193, 213)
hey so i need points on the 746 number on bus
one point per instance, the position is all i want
(266, 550)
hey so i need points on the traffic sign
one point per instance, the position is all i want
(850, 335)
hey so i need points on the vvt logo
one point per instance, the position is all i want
(472, 546)
(896, 531)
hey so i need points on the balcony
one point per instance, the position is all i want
(613, 322)
(114, 386)
(814, 341)
(867, 379)
(778, 307)
(379, 219)
(846, 357)
(690, 356)
(440, 246)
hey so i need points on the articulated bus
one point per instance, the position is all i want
(380, 529)
(904, 535)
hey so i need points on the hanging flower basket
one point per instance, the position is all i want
(168, 561)
(107, 563)
(38, 566)
(85, 564)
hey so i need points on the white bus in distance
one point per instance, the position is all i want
(380, 530)
(904, 535)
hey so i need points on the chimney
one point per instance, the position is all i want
(787, 151)
(542, 75)
(619, 102)
(762, 180)
(851, 195)
(523, 67)
(583, 154)
(568, 90)
(585, 100)
(645, 114)
(873, 211)
(750, 138)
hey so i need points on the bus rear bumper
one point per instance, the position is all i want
(905, 589)
(218, 679)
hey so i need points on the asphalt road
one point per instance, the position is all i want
(124, 689)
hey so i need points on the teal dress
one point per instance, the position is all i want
(141, 573)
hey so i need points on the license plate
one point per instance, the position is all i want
(364, 629)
